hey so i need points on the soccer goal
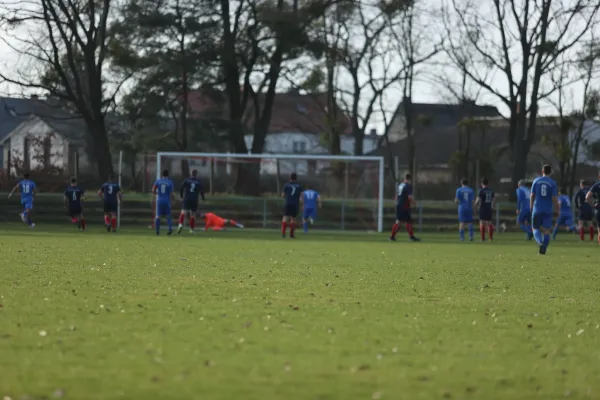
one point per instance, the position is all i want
(248, 187)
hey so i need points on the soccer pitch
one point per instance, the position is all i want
(246, 315)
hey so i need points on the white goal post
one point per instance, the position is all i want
(376, 160)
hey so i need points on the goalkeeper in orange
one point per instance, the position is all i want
(217, 223)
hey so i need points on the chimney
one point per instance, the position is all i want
(373, 132)
(34, 97)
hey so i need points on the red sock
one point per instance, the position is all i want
(395, 228)
(592, 233)
(482, 231)
(491, 231)
(582, 233)
(106, 220)
(192, 222)
(83, 224)
(181, 218)
(292, 228)
(409, 229)
(114, 223)
(233, 222)
(283, 228)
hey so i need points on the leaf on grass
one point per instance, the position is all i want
(376, 395)
(155, 379)
(530, 325)
(59, 393)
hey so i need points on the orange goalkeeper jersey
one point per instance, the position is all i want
(211, 220)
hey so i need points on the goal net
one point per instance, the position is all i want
(248, 187)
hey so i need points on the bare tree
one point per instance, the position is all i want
(519, 41)
(414, 48)
(65, 42)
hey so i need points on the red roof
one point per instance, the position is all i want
(292, 112)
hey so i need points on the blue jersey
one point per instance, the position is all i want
(580, 203)
(465, 196)
(565, 205)
(26, 188)
(310, 199)
(486, 198)
(164, 188)
(403, 195)
(544, 189)
(74, 195)
(190, 189)
(292, 191)
(595, 189)
(523, 198)
(110, 191)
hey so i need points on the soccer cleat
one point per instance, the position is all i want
(108, 228)
(310, 219)
(542, 250)
(169, 233)
(392, 239)
(415, 239)
(22, 215)
(292, 236)
(239, 225)
(192, 232)
(32, 225)
(179, 229)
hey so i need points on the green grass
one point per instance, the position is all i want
(245, 315)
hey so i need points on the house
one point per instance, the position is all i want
(428, 116)
(298, 124)
(52, 143)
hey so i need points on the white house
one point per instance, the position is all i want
(45, 143)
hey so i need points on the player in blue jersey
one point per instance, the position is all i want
(486, 202)
(565, 217)
(292, 191)
(163, 190)
(310, 200)
(593, 198)
(190, 191)
(74, 196)
(543, 204)
(586, 212)
(523, 210)
(465, 198)
(27, 188)
(404, 202)
(110, 193)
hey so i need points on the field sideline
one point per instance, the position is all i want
(247, 315)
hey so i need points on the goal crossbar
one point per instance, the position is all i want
(379, 159)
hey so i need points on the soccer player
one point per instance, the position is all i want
(586, 213)
(74, 196)
(110, 192)
(523, 210)
(217, 223)
(292, 191)
(486, 202)
(27, 189)
(189, 191)
(593, 197)
(465, 198)
(404, 201)
(163, 190)
(543, 204)
(310, 200)
(566, 214)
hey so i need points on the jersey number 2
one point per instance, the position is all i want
(192, 188)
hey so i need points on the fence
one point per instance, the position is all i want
(343, 215)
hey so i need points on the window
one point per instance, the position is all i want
(299, 146)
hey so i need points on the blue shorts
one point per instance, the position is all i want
(542, 220)
(524, 217)
(565, 220)
(465, 216)
(586, 215)
(403, 214)
(27, 204)
(163, 210)
(486, 214)
(309, 213)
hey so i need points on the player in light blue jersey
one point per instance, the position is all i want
(523, 209)
(465, 198)
(543, 203)
(565, 218)
(163, 190)
(310, 200)
(27, 189)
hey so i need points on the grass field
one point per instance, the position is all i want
(246, 315)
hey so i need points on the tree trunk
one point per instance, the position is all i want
(101, 148)
(248, 178)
